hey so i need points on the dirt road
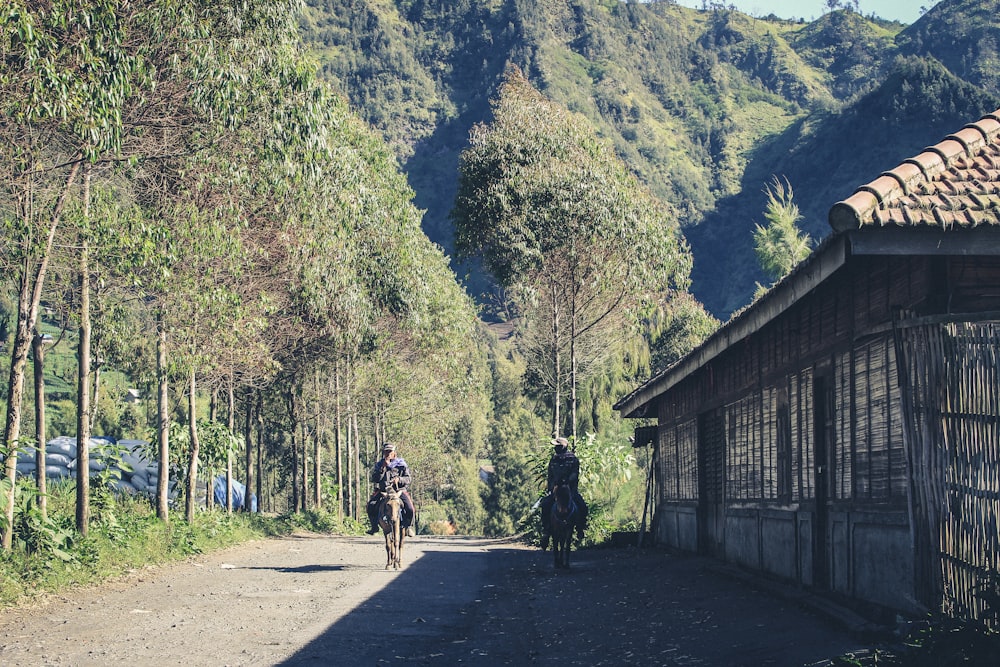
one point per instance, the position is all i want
(319, 600)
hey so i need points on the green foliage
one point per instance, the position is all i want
(606, 468)
(35, 533)
(779, 245)
(675, 329)
(961, 34)
(559, 220)
(216, 444)
(702, 106)
(320, 522)
(516, 431)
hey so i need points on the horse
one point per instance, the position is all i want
(563, 522)
(390, 518)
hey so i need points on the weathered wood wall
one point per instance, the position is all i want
(907, 513)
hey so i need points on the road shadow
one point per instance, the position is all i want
(420, 614)
(305, 569)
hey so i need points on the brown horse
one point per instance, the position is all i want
(390, 518)
(563, 522)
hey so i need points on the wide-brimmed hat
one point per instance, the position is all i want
(560, 442)
(388, 447)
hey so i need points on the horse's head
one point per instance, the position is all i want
(393, 500)
(563, 499)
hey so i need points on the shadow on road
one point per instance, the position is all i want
(417, 613)
(493, 604)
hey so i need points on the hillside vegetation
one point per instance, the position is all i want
(704, 106)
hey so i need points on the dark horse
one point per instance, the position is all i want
(563, 522)
(390, 518)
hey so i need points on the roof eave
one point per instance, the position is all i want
(824, 261)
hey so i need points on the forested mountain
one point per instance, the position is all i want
(705, 106)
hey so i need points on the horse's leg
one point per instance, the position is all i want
(399, 551)
(395, 542)
(389, 548)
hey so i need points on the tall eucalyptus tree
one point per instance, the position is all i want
(560, 220)
(67, 72)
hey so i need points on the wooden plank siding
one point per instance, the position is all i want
(843, 432)
(861, 538)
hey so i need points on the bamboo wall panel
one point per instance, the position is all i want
(739, 445)
(783, 447)
(843, 456)
(801, 403)
(970, 542)
(667, 469)
(862, 425)
(868, 455)
(687, 460)
(678, 461)
(954, 457)
(769, 428)
(752, 435)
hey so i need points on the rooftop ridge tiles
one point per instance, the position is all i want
(906, 174)
(956, 153)
(989, 126)
(949, 150)
(994, 117)
(971, 137)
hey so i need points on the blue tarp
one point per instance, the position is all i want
(239, 494)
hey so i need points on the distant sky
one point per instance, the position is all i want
(906, 11)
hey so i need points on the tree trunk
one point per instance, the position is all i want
(317, 436)
(83, 375)
(231, 423)
(29, 296)
(15, 391)
(304, 429)
(556, 365)
(251, 478)
(260, 451)
(572, 365)
(338, 441)
(213, 412)
(358, 491)
(317, 467)
(38, 352)
(351, 509)
(294, 430)
(162, 422)
(193, 460)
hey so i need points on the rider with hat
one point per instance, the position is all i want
(390, 472)
(564, 468)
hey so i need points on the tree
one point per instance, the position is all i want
(780, 245)
(559, 220)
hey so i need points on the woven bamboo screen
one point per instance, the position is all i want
(800, 399)
(678, 461)
(953, 414)
(868, 455)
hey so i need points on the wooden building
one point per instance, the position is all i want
(843, 432)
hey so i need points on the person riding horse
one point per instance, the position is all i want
(390, 472)
(564, 469)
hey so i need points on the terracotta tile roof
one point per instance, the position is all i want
(955, 183)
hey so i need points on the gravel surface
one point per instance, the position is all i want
(321, 600)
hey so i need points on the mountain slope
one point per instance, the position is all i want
(705, 106)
